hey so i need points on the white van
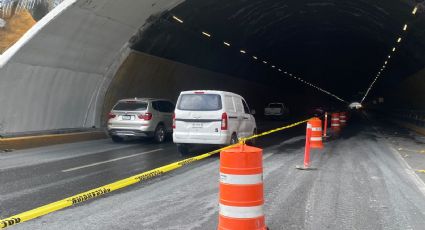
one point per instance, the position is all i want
(211, 117)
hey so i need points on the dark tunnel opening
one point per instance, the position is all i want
(336, 45)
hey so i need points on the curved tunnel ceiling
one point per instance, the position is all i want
(337, 44)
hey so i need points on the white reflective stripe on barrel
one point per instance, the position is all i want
(308, 126)
(334, 124)
(241, 179)
(342, 120)
(316, 129)
(335, 119)
(316, 138)
(241, 212)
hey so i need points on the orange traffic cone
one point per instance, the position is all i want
(335, 125)
(343, 119)
(316, 133)
(241, 189)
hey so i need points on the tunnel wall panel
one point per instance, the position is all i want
(410, 93)
(57, 99)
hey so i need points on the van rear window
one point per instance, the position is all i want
(131, 106)
(200, 102)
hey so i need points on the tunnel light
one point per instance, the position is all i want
(280, 70)
(177, 19)
(273, 66)
(394, 49)
(255, 57)
(285, 72)
(389, 56)
(415, 10)
(243, 51)
(399, 40)
(206, 34)
(264, 62)
(226, 43)
(405, 27)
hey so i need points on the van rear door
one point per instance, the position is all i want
(198, 116)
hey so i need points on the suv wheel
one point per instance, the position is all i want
(183, 149)
(117, 139)
(159, 134)
(234, 139)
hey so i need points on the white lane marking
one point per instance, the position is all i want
(112, 160)
(420, 184)
(409, 170)
(267, 155)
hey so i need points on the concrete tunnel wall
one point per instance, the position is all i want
(410, 93)
(143, 75)
(58, 79)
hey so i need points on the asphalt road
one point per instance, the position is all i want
(35, 177)
(361, 182)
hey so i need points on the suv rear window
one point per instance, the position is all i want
(131, 106)
(200, 102)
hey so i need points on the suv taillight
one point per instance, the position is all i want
(111, 115)
(174, 120)
(224, 121)
(145, 116)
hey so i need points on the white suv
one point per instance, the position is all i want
(211, 117)
(141, 117)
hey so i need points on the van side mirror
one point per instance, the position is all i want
(253, 111)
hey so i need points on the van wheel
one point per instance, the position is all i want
(183, 149)
(234, 139)
(117, 139)
(159, 134)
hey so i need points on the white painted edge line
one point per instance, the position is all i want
(8, 54)
(409, 170)
(108, 161)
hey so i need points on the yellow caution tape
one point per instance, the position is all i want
(421, 171)
(100, 191)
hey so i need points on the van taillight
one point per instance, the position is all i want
(174, 120)
(224, 121)
(111, 115)
(145, 116)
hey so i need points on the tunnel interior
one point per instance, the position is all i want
(337, 45)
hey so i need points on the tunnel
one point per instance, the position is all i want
(60, 77)
(67, 63)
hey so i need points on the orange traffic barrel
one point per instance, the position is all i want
(241, 189)
(343, 119)
(316, 133)
(335, 125)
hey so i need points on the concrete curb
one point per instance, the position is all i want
(51, 139)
